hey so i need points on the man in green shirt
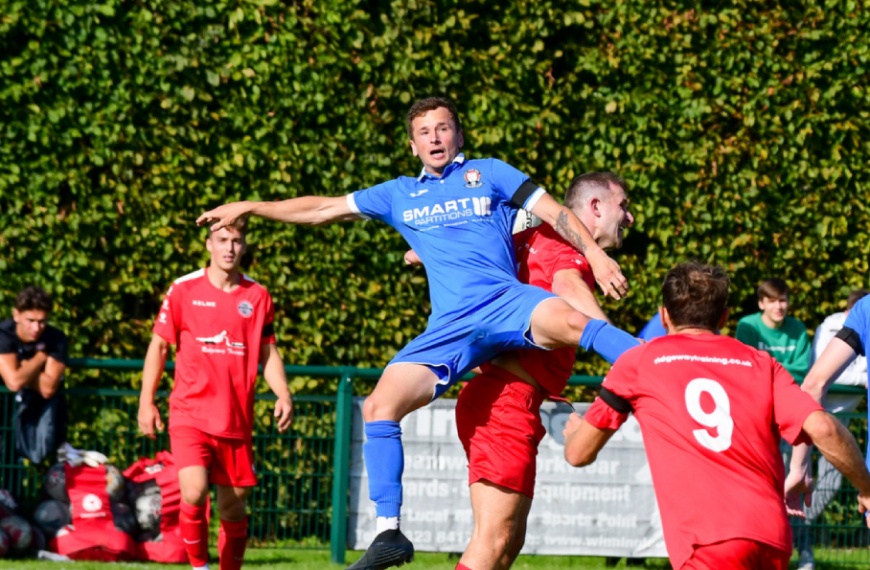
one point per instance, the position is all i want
(773, 331)
(785, 338)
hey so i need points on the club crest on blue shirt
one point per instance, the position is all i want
(472, 178)
(246, 309)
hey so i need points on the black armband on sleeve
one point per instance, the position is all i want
(268, 330)
(851, 338)
(618, 403)
(522, 194)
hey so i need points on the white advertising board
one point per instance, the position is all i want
(605, 509)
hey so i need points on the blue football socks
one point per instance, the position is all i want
(385, 462)
(607, 340)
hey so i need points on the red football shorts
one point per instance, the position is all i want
(230, 462)
(738, 554)
(498, 417)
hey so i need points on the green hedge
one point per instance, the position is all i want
(742, 128)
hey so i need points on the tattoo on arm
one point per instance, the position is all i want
(564, 229)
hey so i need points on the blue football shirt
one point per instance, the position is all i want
(653, 328)
(459, 225)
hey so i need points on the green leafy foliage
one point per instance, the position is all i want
(742, 128)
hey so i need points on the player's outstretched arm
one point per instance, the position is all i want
(839, 447)
(308, 210)
(583, 441)
(608, 275)
(276, 378)
(155, 361)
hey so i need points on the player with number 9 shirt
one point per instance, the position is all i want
(712, 411)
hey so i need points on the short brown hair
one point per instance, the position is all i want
(773, 288)
(591, 182)
(423, 106)
(696, 295)
(33, 298)
(855, 296)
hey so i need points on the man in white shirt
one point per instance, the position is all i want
(856, 373)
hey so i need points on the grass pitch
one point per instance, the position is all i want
(299, 559)
(294, 559)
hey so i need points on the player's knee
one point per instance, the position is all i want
(566, 329)
(513, 551)
(194, 496)
(378, 407)
(502, 538)
(371, 408)
(232, 510)
(576, 323)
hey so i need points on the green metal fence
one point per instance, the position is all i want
(836, 531)
(302, 498)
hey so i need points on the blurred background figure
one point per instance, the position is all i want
(33, 357)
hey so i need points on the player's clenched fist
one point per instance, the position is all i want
(574, 421)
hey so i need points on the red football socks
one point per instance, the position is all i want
(193, 524)
(232, 541)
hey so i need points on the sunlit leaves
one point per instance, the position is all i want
(742, 130)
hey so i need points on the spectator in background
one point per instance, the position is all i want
(856, 373)
(786, 339)
(33, 357)
(773, 331)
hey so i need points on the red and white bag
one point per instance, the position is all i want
(161, 470)
(92, 534)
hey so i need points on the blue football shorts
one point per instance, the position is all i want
(453, 346)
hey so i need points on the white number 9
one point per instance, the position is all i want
(719, 418)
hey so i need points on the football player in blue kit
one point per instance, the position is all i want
(458, 215)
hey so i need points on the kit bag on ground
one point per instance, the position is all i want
(92, 534)
(167, 546)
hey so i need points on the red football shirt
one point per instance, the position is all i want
(711, 411)
(541, 253)
(218, 336)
